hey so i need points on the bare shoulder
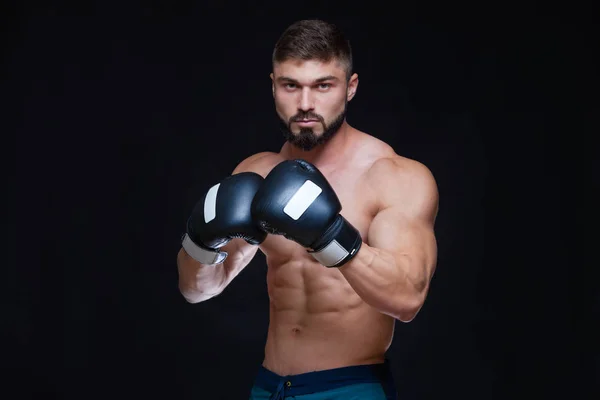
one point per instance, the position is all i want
(403, 182)
(260, 163)
(401, 170)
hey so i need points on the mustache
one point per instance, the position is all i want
(308, 115)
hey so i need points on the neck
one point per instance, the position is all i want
(326, 154)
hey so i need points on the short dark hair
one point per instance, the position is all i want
(314, 39)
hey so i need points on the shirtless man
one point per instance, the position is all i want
(346, 225)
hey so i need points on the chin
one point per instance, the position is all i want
(308, 138)
(311, 133)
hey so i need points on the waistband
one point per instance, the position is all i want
(319, 381)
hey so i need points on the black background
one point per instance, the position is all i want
(128, 111)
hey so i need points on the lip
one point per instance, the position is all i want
(307, 122)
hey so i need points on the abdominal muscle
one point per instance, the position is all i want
(317, 321)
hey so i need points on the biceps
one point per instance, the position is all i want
(402, 236)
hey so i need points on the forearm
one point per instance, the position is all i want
(198, 282)
(385, 282)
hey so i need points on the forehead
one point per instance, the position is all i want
(308, 70)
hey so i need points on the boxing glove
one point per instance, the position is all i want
(222, 214)
(296, 201)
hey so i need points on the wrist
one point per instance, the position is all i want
(338, 245)
(201, 253)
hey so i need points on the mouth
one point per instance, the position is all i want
(306, 122)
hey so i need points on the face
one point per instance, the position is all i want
(311, 98)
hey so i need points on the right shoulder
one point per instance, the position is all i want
(260, 163)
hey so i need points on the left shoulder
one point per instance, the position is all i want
(393, 164)
(401, 171)
(403, 182)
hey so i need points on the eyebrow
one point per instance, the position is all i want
(318, 80)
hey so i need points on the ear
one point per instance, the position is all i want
(272, 84)
(352, 86)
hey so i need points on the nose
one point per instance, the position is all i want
(306, 100)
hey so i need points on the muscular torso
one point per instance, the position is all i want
(317, 321)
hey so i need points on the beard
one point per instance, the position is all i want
(306, 139)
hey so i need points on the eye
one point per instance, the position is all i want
(324, 86)
(289, 86)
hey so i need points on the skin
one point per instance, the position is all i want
(323, 318)
(299, 96)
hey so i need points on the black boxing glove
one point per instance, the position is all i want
(222, 214)
(296, 201)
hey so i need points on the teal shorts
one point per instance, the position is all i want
(365, 382)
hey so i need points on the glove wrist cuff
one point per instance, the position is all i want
(202, 254)
(343, 246)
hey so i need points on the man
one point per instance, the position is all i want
(346, 225)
